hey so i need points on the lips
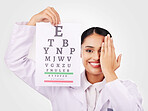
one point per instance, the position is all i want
(95, 64)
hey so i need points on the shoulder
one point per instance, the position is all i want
(128, 83)
(131, 86)
(122, 85)
(127, 86)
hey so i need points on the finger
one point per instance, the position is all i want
(109, 45)
(53, 12)
(112, 44)
(57, 15)
(102, 48)
(52, 15)
(49, 15)
(112, 47)
(119, 60)
(106, 44)
(47, 19)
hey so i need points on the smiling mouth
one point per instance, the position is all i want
(95, 64)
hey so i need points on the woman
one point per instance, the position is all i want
(100, 89)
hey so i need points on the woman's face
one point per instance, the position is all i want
(90, 53)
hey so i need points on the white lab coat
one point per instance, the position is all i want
(115, 96)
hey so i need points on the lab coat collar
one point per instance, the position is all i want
(86, 83)
(79, 92)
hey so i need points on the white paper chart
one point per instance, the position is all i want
(58, 54)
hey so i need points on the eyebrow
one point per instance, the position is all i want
(89, 47)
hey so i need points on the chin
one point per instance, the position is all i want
(95, 71)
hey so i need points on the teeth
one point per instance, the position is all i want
(95, 64)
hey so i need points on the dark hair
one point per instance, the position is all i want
(92, 30)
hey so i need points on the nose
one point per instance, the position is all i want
(96, 56)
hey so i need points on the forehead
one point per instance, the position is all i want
(93, 40)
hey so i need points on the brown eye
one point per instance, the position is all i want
(89, 51)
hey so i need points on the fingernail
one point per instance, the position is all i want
(108, 35)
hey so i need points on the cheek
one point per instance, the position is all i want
(85, 57)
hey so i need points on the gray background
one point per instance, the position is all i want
(125, 19)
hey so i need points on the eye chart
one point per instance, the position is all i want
(58, 54)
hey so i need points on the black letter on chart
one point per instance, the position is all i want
(50, 43)
(47, 58)
(46, 49)
(59, 50)
(72, 50)
(65, 42)
(56, 31)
